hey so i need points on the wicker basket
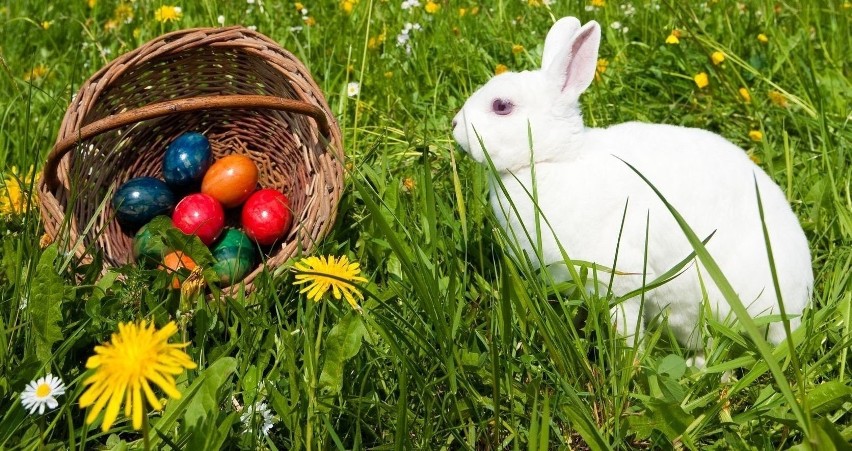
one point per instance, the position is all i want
(239, 88)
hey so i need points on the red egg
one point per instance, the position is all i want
(231, 180)
(266, 216)
(201, 215)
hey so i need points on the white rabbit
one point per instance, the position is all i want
(583, 188)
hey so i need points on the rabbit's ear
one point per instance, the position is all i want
(560, 36)
(573, 65)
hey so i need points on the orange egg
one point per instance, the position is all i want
(230, 180)
(174, 261)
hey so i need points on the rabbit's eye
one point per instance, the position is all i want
(502, 107)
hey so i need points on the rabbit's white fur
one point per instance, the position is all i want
(583, 187)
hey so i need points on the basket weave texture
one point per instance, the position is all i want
(241, 89)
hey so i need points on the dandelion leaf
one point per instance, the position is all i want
(342, 343)
(44, 305)
(206, 400)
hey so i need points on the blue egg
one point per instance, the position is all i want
(139, 200)
(187, 159)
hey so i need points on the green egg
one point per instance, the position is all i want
(148, 250)
(235, 257)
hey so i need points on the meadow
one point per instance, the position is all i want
(456, 344)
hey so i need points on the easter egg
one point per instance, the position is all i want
(230, 180)
(201, 215)
(234, 255)
(148, 249)
(266, 216)
(174, 261)
(186, 160)
(139, 200)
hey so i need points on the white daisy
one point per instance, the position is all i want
(259, 412)
(42, 393)
(353, 89)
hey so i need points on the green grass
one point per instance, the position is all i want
(459, 345)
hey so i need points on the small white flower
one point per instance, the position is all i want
(353, 89)
(589, 8)
(615, 25)
(252, 27)
(42, 393)
(408, 4)
(304, 12)
(295, 29)
(221, 20)
(250, 2)
(25, 300)
(402, 38)
(261, 412)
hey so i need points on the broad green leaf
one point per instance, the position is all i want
(341, 344)
(206, 399)
(44, 305)
(829, 396)
(666, 417)
(673, 365)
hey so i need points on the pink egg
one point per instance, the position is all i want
(266, 216)
(201, 215)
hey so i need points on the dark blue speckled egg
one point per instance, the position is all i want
(187, 159)
(139, 200)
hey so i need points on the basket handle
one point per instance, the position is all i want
(156, 110)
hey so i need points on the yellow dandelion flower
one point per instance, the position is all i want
(322, 274)
(745, 95)
(123, 13)
(755, 135)
(347, 6)
(717, 57)
(299, 6)
(408, 184)
(474, 10)
(534, 3)
(14, 198)
(778, 99)
(110, 25)
(165, 14)
(309, 21)
(193, 284)
(500, 69)
(36, 73)
(701, 80)
(45, 24)
(601, 68)
(763, 38)
(45, 240)
(462, 12)
(672, 39)
(123, 369)
(754, 158)
(91, 3)
(431, 7)
(388, 74)
(376, 41)
(517, 48)
(598, 3)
